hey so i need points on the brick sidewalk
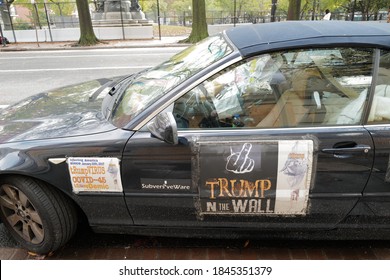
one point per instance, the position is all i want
(369, 252)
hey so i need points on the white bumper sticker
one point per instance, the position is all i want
(95, 174)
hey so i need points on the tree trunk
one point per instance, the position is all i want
(87, 35)
(294, 9)
(273, 10)
(199, 24)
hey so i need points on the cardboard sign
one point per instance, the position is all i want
(256, 177)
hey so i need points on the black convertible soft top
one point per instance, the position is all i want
(256, 38)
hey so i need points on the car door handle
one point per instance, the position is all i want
(346, 151)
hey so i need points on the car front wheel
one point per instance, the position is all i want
(38, 216)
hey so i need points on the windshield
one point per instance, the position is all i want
(148, 87)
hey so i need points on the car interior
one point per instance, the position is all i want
(315, 87)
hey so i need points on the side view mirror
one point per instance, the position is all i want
(164, 127)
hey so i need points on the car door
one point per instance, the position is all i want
(273, 142)
(375, 203)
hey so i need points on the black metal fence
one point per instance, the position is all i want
(44, 14)
(24, 16)
(48, 14)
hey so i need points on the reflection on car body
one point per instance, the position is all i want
(278, 127)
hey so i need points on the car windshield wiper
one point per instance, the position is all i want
(115, 93)
(108, 84)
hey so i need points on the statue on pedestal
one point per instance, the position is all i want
(119, 9)
(135, 7)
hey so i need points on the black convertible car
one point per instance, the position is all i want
(279, 127)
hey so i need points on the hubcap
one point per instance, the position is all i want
(21, 214)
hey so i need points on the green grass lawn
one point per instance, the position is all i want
(171, 30)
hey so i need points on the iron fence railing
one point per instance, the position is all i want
(49, 14)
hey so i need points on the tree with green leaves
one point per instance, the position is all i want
(367, 8)
(370, 8)
(62, 7)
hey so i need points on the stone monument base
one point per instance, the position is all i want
(117, 15)
(119, 19)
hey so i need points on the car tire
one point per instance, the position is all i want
(38, 216)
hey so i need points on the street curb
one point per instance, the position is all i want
(92, 48)
(18, 47)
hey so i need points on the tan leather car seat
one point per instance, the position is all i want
(294, 107)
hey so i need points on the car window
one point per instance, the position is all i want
(380, 112)
(283, 89)
(304, 57)
(150, 85)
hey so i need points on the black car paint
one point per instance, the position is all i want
(29, 152)
(34, 156)
(257, 39)
(334, 196)
(63, 112)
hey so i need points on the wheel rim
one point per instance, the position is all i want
(21, 214)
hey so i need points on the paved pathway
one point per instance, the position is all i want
(165, 41)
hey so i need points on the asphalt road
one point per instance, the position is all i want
(27, 73)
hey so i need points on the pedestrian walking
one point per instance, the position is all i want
(327, 15)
